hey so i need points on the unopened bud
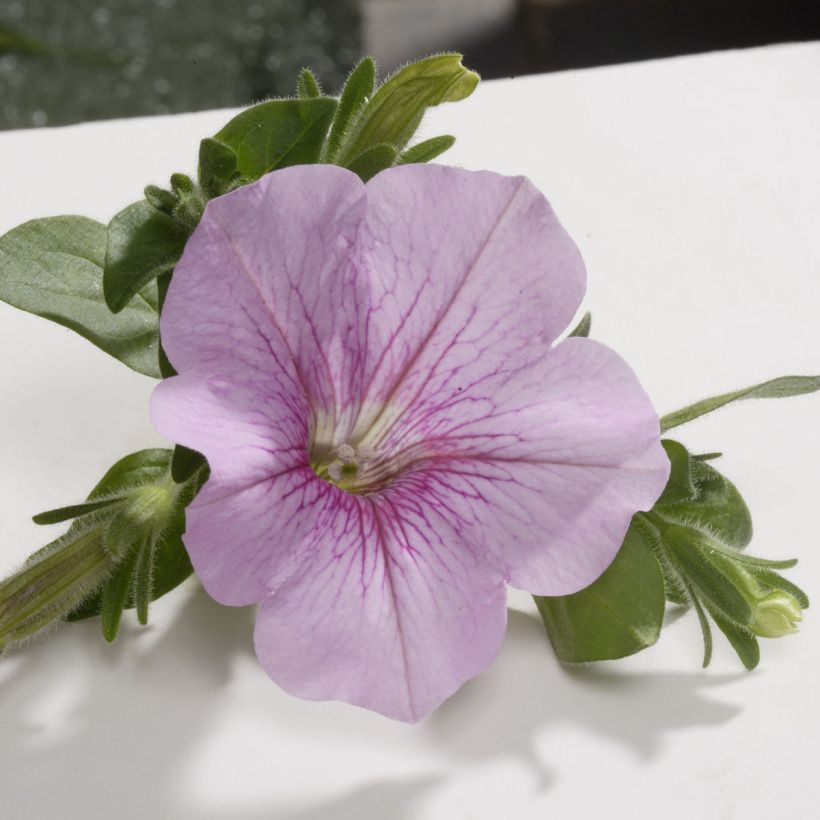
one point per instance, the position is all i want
(776, 614)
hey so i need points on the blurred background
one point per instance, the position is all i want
(64, 61)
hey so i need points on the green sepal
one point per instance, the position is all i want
(680, 487)
(143, 583)
(427, 150)
(686, 547)
(185, 463)
(170, 564)
(356, 92)
(217, 172)
(278, 133)
(372, 161)
(770, 581)
(143, 243)
(716, 504)
(583, 327)
(619, 614)
(741, 638)
(780, 388)
(393, 114)
(697, 530)
(53, 268)
(307, 87)
(115, 593)
(61, 514)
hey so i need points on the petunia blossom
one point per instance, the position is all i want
(393, 432)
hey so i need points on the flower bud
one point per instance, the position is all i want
(51, 585)
(776, 614)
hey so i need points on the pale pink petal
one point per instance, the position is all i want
(471, 275)
(261, 484)
(552, 463)
(269, 290)
(391, 609)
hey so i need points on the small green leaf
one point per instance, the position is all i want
(182, 184)
(356, 92)
(308, 86)
(278, 133)
(375, 159)
(619, 614)
(774, 389)
(143, 243)
(53, 268)
(583, 327)
(428, 150)
(160, 199)
(393, 114)
(74, 511)
(217, 167)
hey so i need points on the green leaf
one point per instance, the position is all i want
(53, 268)
(217, 167)
(393, 114)
(375, 159)
(619, 614)
(143, 243)
(74, 511)
(356, 92)
(774, 389)
(427, 150)
(308, 86)
(583, 327)
(278, 133)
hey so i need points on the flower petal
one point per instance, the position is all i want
(393, 611)
(268, 288)
(552, 467)
(471, 274)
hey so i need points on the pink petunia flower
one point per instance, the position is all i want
(392, 433)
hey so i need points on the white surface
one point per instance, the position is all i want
(691, 186)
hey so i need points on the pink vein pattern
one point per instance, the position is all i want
(405, 331)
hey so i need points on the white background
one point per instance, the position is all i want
(693, 189)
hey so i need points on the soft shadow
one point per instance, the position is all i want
(527, 692)
(100, 737)
(134, 715)
(396, 799)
